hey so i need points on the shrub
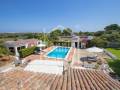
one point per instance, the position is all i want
(98, 41)
(115, 65)
(3, 51)
(27, 51)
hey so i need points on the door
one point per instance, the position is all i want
(76, 44)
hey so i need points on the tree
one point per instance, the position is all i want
(54, 34)
(80, 33)
(67, 32)
(76, 33)
(99, 33)
(99, 42)
(112, 27)
(29, 35)
(89, 33)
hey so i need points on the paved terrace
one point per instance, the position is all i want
(73, 79)
(83, 53)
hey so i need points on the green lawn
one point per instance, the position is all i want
(116, 52)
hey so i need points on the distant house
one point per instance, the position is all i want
(15, 46)
(77, 41)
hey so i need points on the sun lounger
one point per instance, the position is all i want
(89, 58)
(83, 58)
(92, 58)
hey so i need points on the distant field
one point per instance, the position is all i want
(116, 52)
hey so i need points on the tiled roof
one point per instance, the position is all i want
(73, 79)
(20, 42)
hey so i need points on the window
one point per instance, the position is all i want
(11, 49)
(38, 42)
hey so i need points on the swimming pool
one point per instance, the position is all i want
(58, 52)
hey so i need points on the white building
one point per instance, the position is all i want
(15, 46)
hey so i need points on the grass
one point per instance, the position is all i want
(115, 51)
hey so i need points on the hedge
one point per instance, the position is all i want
(27, 51)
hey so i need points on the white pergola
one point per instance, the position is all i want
(41, 46)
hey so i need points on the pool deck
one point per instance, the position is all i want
(73, 56)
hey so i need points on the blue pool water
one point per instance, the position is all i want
(59, 52)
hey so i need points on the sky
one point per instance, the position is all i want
(44, 15)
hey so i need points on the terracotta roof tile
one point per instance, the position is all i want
(73, 79)
(21, 42)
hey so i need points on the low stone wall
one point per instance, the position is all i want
(110, 54)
